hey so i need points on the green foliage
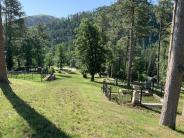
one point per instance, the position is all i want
(27, 50)
(51, 70)
(9, 57)
(49, 59)
(63, 30)
(84, 71)
(91, 49)
(60, 55)
(41, 45)
(13, 28)
(34, 49)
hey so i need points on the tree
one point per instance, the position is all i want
(164, 14)
(27, 50)
(89, 45)
(34, 47)
(13, 25)
(3, 73)
(61, 55)
(136, 19)
(49, 59)
(131, 45)
(175, 68)
(40, 44)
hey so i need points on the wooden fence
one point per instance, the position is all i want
(136, 94)
(119, 96)
(25, 75)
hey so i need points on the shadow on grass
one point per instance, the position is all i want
(42, 126)
(151, 109)
(180, 131)
(155, 110)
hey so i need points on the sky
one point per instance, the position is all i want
(61, 8)
(154, 1)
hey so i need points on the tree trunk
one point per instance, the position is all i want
(3, 73)
(112, 70)
(18, 62)
(175, 70)
(126, 58)
(92, 77)
(172, 30)
(159, 45)
(131, 46)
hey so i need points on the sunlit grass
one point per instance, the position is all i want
(78, 108)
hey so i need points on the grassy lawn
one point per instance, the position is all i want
(73, 107)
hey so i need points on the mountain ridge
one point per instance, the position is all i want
(39, 19)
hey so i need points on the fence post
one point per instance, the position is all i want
(116, 82)
(105, 87)
(110, 93)
(40, 70)
(106, 91)
(119, 97)
(141, 97)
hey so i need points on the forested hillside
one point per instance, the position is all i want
(151, 32)
(39, 19)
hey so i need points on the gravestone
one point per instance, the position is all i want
(136, 95)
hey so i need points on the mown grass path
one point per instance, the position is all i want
(73, 107)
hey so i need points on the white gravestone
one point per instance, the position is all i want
(136, 95)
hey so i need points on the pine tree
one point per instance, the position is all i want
(164, 14)
(3, 73)
(136, 18)
(12, 12)
(40, 44)
(90, 48)
(132, 41)
(175, 68)
(61, 56)
(27, 50)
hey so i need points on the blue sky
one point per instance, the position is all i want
(61, 8)
(154, 1)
